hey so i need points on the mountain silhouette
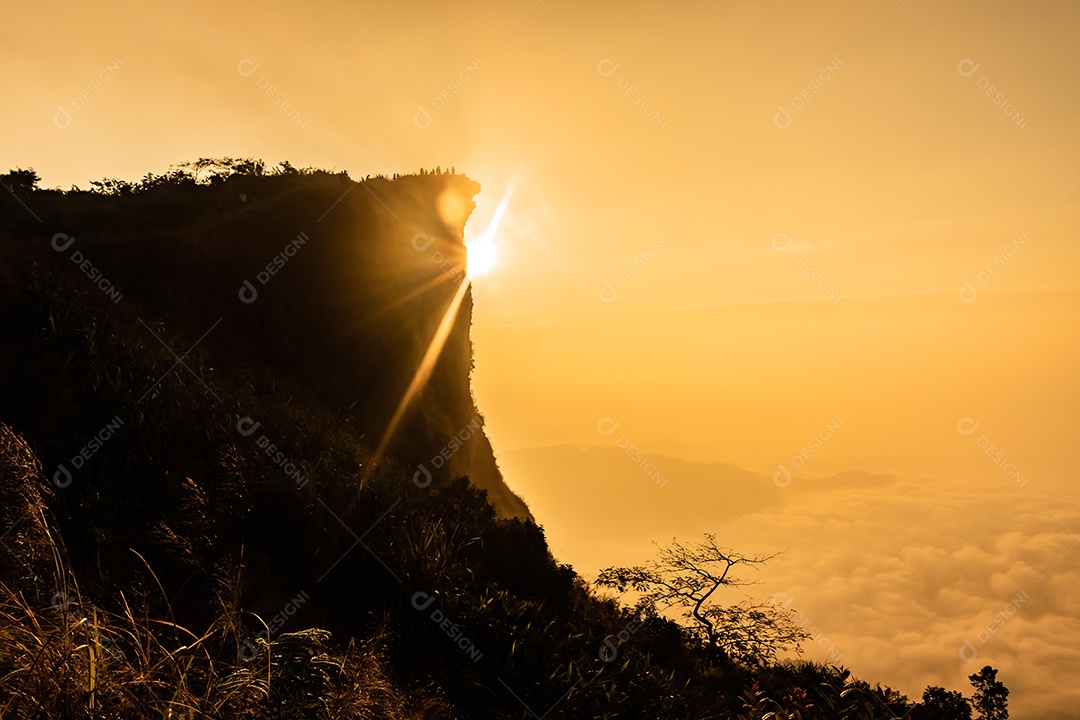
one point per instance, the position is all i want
(627, 501)
(242, 475)
(301, 278)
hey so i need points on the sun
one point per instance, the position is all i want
(482, 253)
(481, 257)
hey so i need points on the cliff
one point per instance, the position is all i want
(332, 289)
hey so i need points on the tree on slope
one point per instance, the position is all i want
(687, 577)
(991, 696)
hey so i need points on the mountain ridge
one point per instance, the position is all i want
(273, 278)
(205, 516)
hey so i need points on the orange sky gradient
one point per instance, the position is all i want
(732, 224)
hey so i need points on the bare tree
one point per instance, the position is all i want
(197, 166)
(225, 167)
(687, 577)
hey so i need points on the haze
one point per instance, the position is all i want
(799, 240)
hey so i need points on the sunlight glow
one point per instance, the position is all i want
(482, 254)
(482, 257)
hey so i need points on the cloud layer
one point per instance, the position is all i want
(909, 581)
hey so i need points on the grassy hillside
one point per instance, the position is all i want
(193, 521)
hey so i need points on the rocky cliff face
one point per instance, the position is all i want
(332, 289)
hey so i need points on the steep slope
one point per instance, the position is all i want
(193, 518)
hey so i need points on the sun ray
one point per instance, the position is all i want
(483, 252)
(419, 380)
(481, 257)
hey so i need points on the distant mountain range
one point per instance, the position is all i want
(571, 489)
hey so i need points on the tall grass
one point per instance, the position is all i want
(62, 655)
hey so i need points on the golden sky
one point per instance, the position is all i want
(733, 225)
